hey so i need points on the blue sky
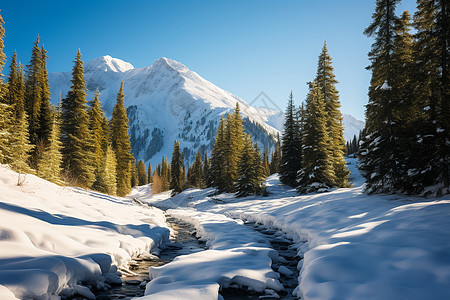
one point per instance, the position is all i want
(244, 47)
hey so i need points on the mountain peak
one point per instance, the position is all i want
(108, 63)
(170, 64)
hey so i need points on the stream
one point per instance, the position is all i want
(183, 241)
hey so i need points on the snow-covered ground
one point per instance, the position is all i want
(59, 240)
(354, 246)
(56, 240)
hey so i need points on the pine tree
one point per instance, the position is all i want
(142, 175)
(380, 149)
(15, 92)
(107, 182)
(49, 165)
(431, 82)
(45, 118)
(134, 181)
(175, 184)
(6, 118)
(149, 175)
(2, 62)
(33, 91)
(275, 159)
(75, 135)
(291, 147)
(266, 163)
(121, 144)
(317, 168)
(196, 175)
(20, 146)
(207, 171)
(100, 133)
(165, 174)
(326, 82)
(217, 157)
(251, 170)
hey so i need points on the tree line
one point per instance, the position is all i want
(72, 142)
(406, 144)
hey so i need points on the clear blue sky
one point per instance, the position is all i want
(244, 47)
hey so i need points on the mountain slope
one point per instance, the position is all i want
(166, 101)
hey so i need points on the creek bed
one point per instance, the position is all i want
(182, 242)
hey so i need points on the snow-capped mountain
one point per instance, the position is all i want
(352, 126)
(167, 101)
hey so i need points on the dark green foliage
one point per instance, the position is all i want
(275, 159)
(226, 152)
(134, 174)
(316, 174)
(207, 171)
(45, 120)
(120, 141)
(380, 148)
(291, 147)
(176, 170)
(33, 91)
(326, 82)
(16, 89)
(266, 163)
(76, 136)
(251, 170)
(196, 175)
(142, 175)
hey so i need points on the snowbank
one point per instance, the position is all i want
(357, 246)
(53, 239)
(236, 255)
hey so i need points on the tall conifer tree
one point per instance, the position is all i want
(149, 173)
(317, 172)
(380, 149)
(121, 144)
(291, 147)
(142, 175)
(433, 93)
(76, 136)
(175, 183)
(326, 82)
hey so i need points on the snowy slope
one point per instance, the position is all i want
(352, 126)
(166, 101)
(54, 238)
(354, 246)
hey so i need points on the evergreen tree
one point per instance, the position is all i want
(33, 91)
(100, 133)
(121, 144)
(142, 175)
(207, 171)
(2, 61)
(380, 150)
(20, 146)
(134, 181)
(196, 175)
(45, 118)
(49, 165)
(15, 92)
(291, 147)
(251, 170)
(176, 166)
(149, 176)
(165, 174)
(317, 170)
(266, 163)
(76, 137)
(217, 157)
(275, 159)
(107, 182)
(6, 117)
(432, 146)
(326, 82)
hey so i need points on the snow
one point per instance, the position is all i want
(53, 239)
(352, 126)
(354, 245)
(236, 255)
